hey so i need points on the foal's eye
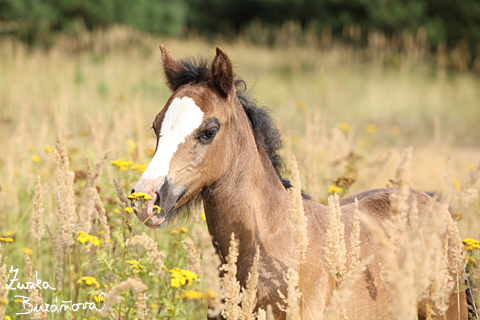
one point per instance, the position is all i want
(207, 136)
(210, 133)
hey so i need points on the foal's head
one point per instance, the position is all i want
(192, 135)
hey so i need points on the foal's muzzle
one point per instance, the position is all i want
(164, 194)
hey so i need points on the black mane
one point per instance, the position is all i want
(267, 135)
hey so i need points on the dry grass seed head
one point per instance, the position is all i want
(113, 295)
(37, 226)
(354, 252)
(152, 251)
(299, 220)
(294, 296)
(193, 256)
(399, 268)
(3, 287)
(35, 298)
(230, 284)
(142, 312)
(249, 299)
(59, 254)
(342, 294)
(335, 246)
(398, 198)
(65, 195)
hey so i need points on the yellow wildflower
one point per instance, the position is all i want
(286, 140)
(122, 163)
(345, 127)
(4, 301)
(139, 167)
(333, 188)
(301, 106)
(89, 281)
(8, 239)
(25, 249)
(153, 306)
(211, 294)
(174, 232)
(396, 130)
(184, 230)
(99, 298)
(36, 158)
(84, 237)
(192, 295)
(129, 210)
(8, 318)
(360, 143)
(116, 210)
(137, 195)
(457, 185)
(182, 277)
(131, 146)
(371, 128)
(48, 148)
(156, 209)
(471, 166)
(45, 172)
(135, 263)
(150, 151)
(203, 216)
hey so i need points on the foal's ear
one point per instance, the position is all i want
(222, 73)
(172, 68)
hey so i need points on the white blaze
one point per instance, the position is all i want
(181, 119)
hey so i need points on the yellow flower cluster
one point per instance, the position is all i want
(192, 295)
(98, 298)
(333, 188)
(8, 239)
(471, 244)
(138, 195)
(25, 249)
(138, 267)
(345, 127)
(195, 295)
(89, 281)
(83, 237)
(371, 128)
(204, 218)
(179, 230)
(181, 277)
(125, 164)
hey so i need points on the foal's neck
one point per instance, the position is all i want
(249, 200)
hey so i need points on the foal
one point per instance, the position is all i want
(213, 143)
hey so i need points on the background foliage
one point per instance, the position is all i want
(444, 22)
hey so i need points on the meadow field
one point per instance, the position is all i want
(346, 113)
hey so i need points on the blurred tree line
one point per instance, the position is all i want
(445, 21)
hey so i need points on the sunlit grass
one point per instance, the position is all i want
(345, 120)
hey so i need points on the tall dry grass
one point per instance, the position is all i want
(345, 118)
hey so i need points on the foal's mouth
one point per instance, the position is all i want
(155, 211)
